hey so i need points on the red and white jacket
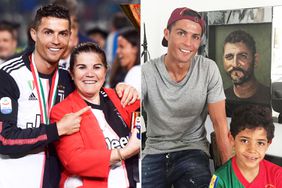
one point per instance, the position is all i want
(85, 153)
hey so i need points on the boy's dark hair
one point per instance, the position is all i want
(252, 117)
(242, 36)
(51, 10)
(87, 47)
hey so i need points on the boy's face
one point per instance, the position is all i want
(250, 146)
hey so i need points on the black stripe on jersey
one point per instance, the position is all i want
(6, 68)
(8, 62)
(15, 68)
(12, 64)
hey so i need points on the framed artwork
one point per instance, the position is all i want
(239, 41)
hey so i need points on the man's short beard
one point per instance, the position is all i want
(248, 74)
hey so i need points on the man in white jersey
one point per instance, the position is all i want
(178, 90)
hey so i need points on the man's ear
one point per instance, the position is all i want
(32, 33)
(256, 59)
(166, 33)
(232, 142)
(231, 139)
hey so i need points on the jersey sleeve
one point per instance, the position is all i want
(216, 182)
(15, 141)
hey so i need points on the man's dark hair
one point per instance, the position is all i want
(71, 5)
(241, 36)
(252, 117)
(51, 10)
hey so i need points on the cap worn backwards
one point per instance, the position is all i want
(184, 13)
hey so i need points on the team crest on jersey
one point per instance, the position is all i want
(30, 84)
(213, 181)
(61, 92)
(5, 105)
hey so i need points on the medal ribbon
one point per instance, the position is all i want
(45, 107)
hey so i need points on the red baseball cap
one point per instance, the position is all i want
(184, 13)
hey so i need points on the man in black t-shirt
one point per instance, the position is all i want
(240, 58)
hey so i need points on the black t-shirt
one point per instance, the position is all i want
(261, 97)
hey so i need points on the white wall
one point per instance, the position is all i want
(155, 13)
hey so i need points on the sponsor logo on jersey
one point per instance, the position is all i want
(117, 143)
(213, 181)
(5, 105)
(32, 97)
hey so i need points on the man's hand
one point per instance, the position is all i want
(218, 118)
(70, 123)
(127, 93)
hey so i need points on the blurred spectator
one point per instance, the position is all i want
(98, 35)
(119, 21)
(128, 59)
(8, 40)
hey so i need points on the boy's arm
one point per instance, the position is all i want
(218, 118)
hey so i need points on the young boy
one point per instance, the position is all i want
(251, 130)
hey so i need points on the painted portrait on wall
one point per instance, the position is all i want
(240, 42)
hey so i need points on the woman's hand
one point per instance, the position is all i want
(70, 123)
(133, 146)
(127, 93)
